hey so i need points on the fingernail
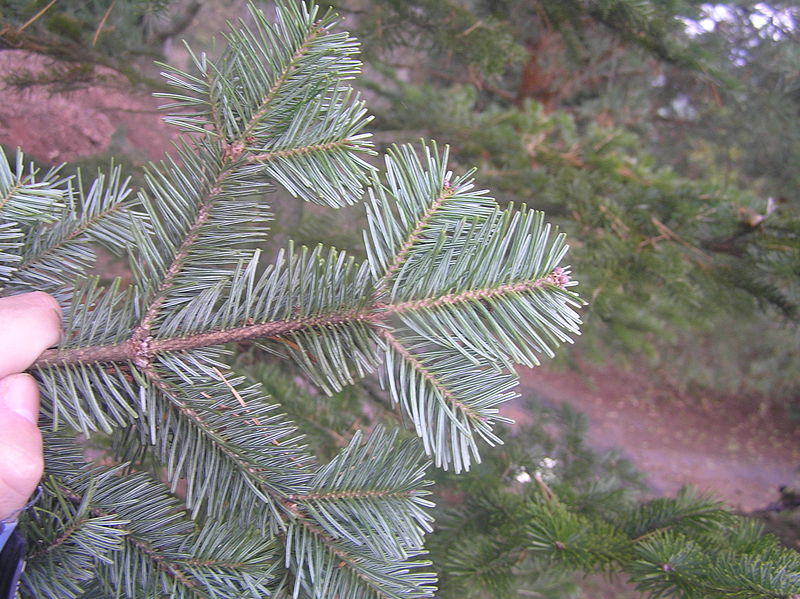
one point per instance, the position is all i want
(18, 394)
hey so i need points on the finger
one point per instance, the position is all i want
(19, 394)
(29, 324)
(20, 442)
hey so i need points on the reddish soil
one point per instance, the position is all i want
(56, 128)
(741, 457)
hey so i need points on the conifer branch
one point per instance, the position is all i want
(144, 349)
(212, 563)
(25, 199)
(302, 49)
(418, 366)
(73, 527)
(360, 494)
(414, 236)
(322, 565)
(221, 442)
(11, 191)
(454, 293)
(141, 334)
(323, 147)
(345, 558)
(85, 226)
(169, 567)
(471, 295)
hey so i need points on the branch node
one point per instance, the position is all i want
(141, 348)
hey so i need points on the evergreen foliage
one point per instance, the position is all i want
(554, 508)
(144, 363)
(204, 487)
(668, 155)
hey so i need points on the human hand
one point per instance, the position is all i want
(29, 324)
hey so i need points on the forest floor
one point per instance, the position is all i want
(738, 454)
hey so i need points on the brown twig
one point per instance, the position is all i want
(102, 22)
(144, 348)
(234, 391)
(36, 17)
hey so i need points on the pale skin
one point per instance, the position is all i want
(29, 324)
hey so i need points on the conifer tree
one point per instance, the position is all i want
(203, 487)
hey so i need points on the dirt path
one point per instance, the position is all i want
(741, 457)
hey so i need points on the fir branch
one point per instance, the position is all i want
(204, 203)
(345, 559)
(455, 292)
(324, 566)
(167, 566)
(26, 195)
(418, 204)
(414, 236)
(146, 358)
(286, 101)
(443, 391)
(264, 463)
(62, 538)
(360, 494)
(84, 227)
(314, 31)
(349, 495)
(342, 515)
(156, 538)
(144, 350)
(320, 147)
(60, 252)
(471, 295)
(449, 428)
(689, 506)
(181, 253)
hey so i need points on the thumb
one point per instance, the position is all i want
(29, 324)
